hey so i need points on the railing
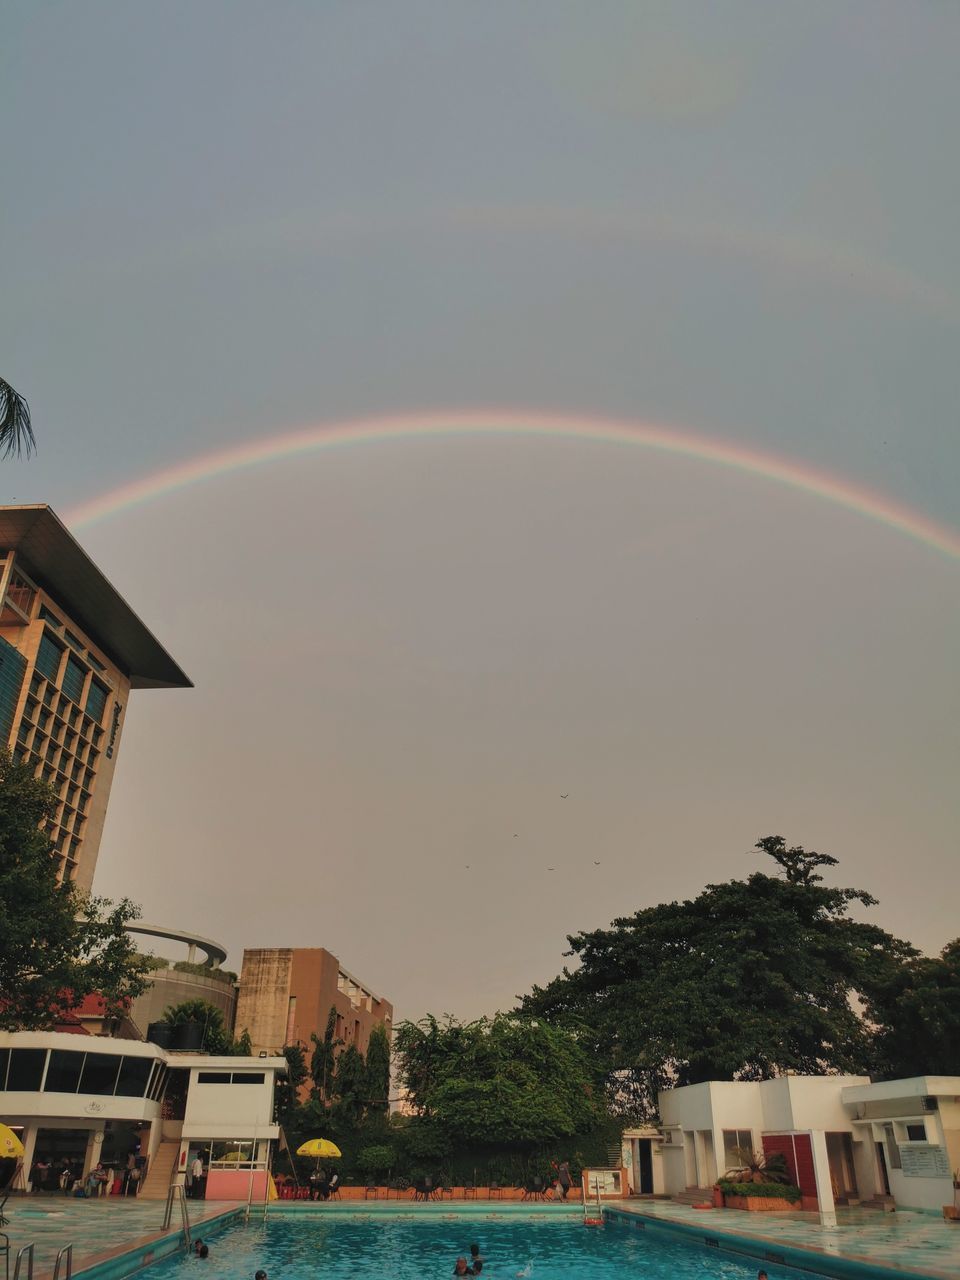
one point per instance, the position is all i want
(65, 1252)
(28, 1250)
(175, 1192)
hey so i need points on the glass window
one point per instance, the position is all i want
(248, 1077)
(96, 701)
(48, 657)
(73, 679)
(134, 1074)
(63, 1073)
(26, 1069)
(158, 1085)
(74, 641)
(99, 1073)
(916, 1132)
(737, 1147)
(213, 1077)
(49, 617)
(4, 1059)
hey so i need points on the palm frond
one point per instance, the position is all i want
(16, 433)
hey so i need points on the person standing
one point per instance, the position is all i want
(196, 1170)
(564, 1178)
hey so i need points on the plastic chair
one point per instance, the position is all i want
(371, 1192)
(494, 1191)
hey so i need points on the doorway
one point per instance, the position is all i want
(882, 1165)
(644, 1149)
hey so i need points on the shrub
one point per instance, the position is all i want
(774, 1190)
(374, 1160)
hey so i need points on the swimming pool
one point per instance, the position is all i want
(554, 1246)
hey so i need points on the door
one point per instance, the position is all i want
(644, 1173)
(882, 1163)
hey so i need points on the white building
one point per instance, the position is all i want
(845, 1140)
(95, 1100)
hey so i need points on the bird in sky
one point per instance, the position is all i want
(551, 868)
(596, 863)
(563, 797)
(515, 835)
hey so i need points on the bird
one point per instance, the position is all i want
(563, 797)
(551, 868)
(466, 866)
(596, 863)
(515, 834)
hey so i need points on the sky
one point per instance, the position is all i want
(225, 222)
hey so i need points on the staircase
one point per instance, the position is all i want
(160, 1174)
(694, 1195)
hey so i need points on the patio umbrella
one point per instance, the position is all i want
(322, 1148)
(10, 1144)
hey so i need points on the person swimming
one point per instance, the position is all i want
(462, 1268)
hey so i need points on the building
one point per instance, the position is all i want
(174, 981)
(97, 1100)
(71, 650)
(846, 1141)
(286, 994)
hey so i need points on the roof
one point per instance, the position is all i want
(56, 561)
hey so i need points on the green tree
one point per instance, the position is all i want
(508, 1079)
(324, 1057)
(243, 1045)
(16, 432)
(216, 1038)
(378, 1069)
(288, 1090)
(349, 1087)
(57, 945)
(918, 1013)
(747, 980)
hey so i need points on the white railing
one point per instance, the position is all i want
(175, 1192)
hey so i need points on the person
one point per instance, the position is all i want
(260, 1275)
(475, 1256)
(315, 1181)
(478, 1266)
(462, 1268)
(197, 1245)
(130, 1166)
(564, 1178)
(203, 1252)
(92, 1184)
(333, 1183)
(111, 1179)
(133, 1180)
(196, 1170)
(761, 1275)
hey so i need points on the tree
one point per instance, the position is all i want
(505, 1079)
(216, 1038)
(16, 432)
(324, 1056)
(378, 1069)
(243, 1045)
(918, 1014)
(750, 979)
(57, 945)
(288, 1090)
(349, 1086)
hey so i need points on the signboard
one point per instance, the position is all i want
(924, 1160)
(608, 1181)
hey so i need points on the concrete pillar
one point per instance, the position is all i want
(821, 1171)
(29, 1148)
(699, 1156)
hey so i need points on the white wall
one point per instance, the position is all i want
(229, 1110)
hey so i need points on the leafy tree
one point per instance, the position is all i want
(349, 1087)
(747, 980)
(288, 1090)
(216, 1038)
(324, 1057)
(57, 945)
(378, 1069)
(243, 1045)
(16, 433)
(918, 1013)
(504, 1078)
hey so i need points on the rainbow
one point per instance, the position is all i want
(522, 423)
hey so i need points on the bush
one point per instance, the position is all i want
(375, 1160)
(773, 1190)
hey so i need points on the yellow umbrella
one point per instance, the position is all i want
(10, 1144)
(232, 1157)
(322, 1148)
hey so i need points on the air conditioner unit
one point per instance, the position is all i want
(929, 1104)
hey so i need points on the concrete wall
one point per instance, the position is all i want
(263, 998)
(227, 1110)
(172, 986)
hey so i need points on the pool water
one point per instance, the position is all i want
(561, 1248)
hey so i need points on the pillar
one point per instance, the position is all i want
(29, 1148)
(821, 1172)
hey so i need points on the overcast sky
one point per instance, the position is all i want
(224, 221)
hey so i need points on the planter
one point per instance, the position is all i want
(951, 1213)
(717, 1198)
(759, 1204)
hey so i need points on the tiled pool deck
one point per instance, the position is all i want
(93, 1227)
(908, 1243)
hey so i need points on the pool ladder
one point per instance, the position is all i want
(65, 1254)
(175, 1192)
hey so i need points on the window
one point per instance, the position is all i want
(4, 1060)
(73, 679)
(52, 618)
(134, 1074)
(48, 657)
(96, 701)
(736, 1143)
(893, 1151)
(99, 1073)
(73, 641)
(248, 1077)
(916, 1133)
(26, 1070)
(227, 1077)
(213, 1077)
(63, 1073)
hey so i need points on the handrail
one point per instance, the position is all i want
(28, 1250)
(67, 1251)
(175, 1190)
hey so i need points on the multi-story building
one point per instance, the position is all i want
(286, 994)
(71, 649)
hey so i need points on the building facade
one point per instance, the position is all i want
(71, 650)
(171, 984)
(846, 1141)
(286, 994)
(93, 1100)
